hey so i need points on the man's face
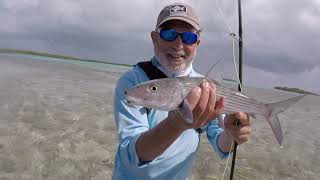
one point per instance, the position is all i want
(175, 56)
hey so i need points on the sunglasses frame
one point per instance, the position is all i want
(178, 34)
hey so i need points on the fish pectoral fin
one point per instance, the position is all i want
(252, 115)
(186, 112)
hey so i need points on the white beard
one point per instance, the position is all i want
(175, 69)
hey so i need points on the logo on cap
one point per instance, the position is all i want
(177, 9)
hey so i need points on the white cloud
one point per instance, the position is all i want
(277, 32)
(311, 19)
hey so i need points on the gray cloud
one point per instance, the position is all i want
(280, 37)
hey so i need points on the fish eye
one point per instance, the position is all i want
(154, 88)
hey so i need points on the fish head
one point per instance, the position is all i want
(162, 94)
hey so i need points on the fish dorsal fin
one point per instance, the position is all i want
(215, 75)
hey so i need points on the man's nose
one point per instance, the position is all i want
(177, 43)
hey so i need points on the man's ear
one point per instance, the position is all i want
(154, 37)
(198, 42)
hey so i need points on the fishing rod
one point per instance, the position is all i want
(239, 83)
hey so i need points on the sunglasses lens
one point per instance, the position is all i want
(172, 34)
(169, 34)
(189, 37)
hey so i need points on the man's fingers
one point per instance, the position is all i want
(242, 138)
(210, 109)
(220, 103)
(240, 135)
(240, 131)
(219, 107)
(194, 96)
(212, 100)
(243, 118)
(203, 100)
(230, 120)
(230, 126)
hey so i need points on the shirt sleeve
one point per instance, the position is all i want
(131, 122)
(213, 132)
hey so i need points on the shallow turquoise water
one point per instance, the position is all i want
(103, 66)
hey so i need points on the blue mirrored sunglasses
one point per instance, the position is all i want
(171, 35)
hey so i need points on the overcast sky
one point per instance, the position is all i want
(281, 38)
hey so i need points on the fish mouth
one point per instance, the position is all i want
(129, 100)
(130, 103)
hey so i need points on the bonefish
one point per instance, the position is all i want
(169, 94)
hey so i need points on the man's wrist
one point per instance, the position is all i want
(175, 121)
(225, 141)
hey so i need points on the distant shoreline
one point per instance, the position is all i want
(44, 54)
(296, 90)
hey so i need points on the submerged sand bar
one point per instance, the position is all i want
(56, 122)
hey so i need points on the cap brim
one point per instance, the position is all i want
(184, 19)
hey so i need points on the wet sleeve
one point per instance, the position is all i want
(131, 122)
(213, 132)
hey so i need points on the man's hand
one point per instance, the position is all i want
(202, 101)
(241, 132)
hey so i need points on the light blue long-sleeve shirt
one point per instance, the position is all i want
(176, 161)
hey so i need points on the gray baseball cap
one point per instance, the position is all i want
(179, 11)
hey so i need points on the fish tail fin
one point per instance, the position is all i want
(272, 111)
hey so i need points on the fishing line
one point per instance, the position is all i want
(234, 37)
(229, 155)
(235, 64)
(223, 17)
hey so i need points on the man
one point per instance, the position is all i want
(154, 144)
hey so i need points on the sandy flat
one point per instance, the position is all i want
(56, 122)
